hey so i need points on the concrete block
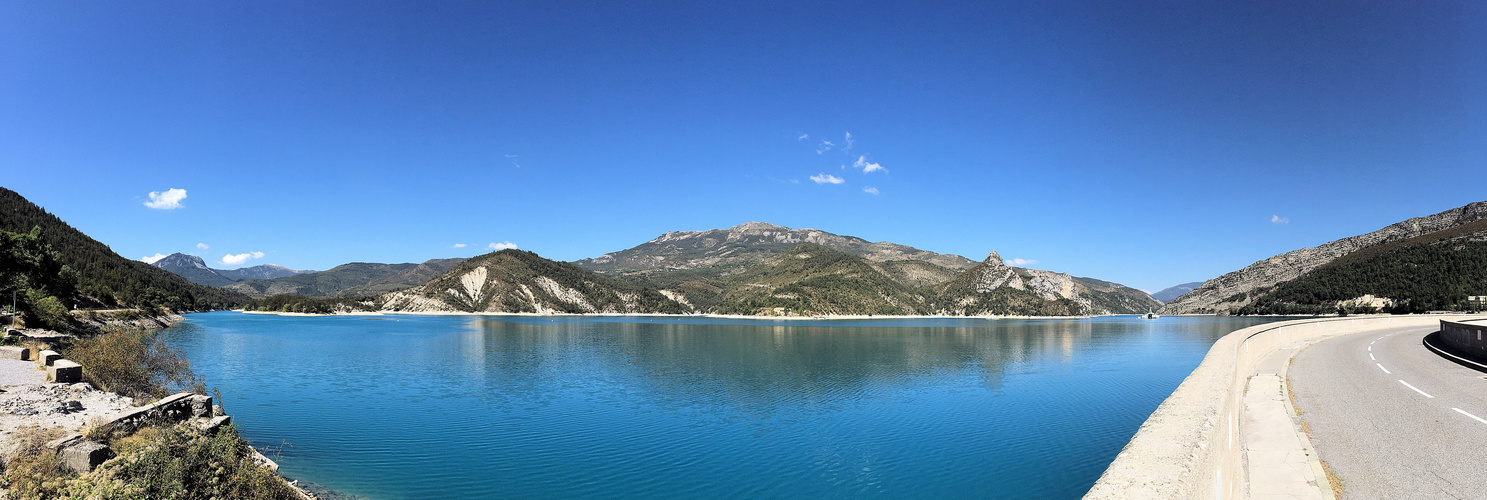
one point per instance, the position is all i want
(65, 372)
(13, 352)
(214, 423)
(201, 406)
(47, 357)
(83, 456)
(78, 454)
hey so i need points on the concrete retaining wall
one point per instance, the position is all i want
(1470, 338)
(1188, 448)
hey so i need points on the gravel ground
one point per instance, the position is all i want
(17, 372)
(72, 407)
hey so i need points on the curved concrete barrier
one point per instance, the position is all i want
(1466, 337)
(1190, 447)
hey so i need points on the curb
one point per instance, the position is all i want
(1313, 458)
(1443, 351)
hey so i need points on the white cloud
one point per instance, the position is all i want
(1019, 262)
(203, 246)
(513, 159)
(1276, 219)
(824, 147)
(848, 147)
(501, 246)
(870, 190)
(242, 258)
(826, 178)
(866, 167)
(168, 200)
(153, 258)
(460, 245)
(803, 137)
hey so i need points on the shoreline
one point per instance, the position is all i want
(664, 315)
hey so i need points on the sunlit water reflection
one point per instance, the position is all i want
(564, 407)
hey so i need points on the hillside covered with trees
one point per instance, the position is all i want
(1432, 272)
(43, 257)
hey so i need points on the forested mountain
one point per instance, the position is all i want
(102, 276)
(357, 279)
(721, 250)
(1233, 291)
(195, 269)
(1434, 271)
(811, 279)
(806, 279)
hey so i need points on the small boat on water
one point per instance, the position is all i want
(1149, 314)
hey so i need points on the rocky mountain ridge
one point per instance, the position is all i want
(355, 279)
(1237, 289)
(517, 281)
(992, 285)
(1172, 292)
(806, 279)
(197, 271)
(750, 243)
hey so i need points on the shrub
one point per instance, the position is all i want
(134, 363)
(49, 311)
(34, 471)
(175, 462)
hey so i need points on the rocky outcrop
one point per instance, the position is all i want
(515, 281)
(751, 243)
(977, 293)
(1239, 288)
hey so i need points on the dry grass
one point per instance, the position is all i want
(1292, 395)
(34, 471)
(1332, 480)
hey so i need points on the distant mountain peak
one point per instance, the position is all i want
(758, 226)
(750, 243)
(180, 259)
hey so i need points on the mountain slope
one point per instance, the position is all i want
(356, 279)
(748, 244)
(1434, 271)
(811, 279)
(259, 272)
(103, 275)
(994, 288)
(1172, 292)
(193, 268)
(1237, 289)
(517, 281)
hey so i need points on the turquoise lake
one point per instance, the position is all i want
(403, 406)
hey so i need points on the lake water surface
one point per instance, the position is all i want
(402, 406)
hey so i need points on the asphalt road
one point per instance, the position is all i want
(1391, 418)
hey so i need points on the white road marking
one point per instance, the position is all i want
(1474, 417)
(1417, 389)
(1370, 356)
(1370, 347)
(1381, 367)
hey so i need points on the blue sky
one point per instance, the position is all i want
(1148, 143)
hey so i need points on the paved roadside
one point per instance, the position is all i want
(1392, 419)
